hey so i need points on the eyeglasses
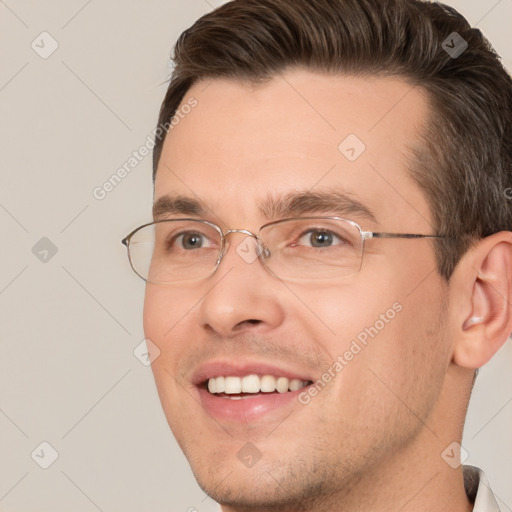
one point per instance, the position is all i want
(305, 248)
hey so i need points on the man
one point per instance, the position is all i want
(331, 256)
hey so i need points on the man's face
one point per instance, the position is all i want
(241, 145)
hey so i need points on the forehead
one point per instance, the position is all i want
(299, 132)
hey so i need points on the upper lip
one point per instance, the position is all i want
(217, 368)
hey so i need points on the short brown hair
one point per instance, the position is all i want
(464, 162)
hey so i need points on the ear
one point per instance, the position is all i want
(481, 296)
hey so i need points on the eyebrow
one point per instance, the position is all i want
(178, 205)
(333, 202)
(274, 207)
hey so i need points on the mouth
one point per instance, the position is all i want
(250, 386)
(248, 392)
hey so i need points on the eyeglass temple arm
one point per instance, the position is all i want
(371, 234)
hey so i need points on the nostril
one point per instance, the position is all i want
(251, 321)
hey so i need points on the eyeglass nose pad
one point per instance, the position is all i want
(261, 249)
(263, 252)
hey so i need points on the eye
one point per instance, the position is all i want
(320, 238)
(190, 240)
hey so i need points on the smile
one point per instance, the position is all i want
(248, 386)
(248, 391)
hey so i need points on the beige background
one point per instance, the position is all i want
(68, 326)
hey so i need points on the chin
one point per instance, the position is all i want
(277, 481)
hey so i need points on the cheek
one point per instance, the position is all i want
(404, 365)
(153, 316)
(166, 310)
(347, 311)
(384, 328)
(167, 314)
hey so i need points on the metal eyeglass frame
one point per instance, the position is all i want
(365, 235)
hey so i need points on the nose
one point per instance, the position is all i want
(241, 294)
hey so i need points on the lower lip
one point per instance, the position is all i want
(246, 409)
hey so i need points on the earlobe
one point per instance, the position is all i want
(484, 279)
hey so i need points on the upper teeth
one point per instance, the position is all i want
(253, 384)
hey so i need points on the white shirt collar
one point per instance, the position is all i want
(478, 490)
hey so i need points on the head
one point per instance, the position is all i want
(381, 108)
